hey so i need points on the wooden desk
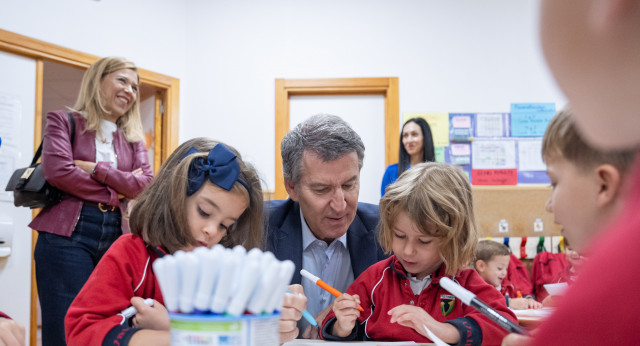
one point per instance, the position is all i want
(530, 319)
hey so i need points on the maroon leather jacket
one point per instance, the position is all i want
(103, 186)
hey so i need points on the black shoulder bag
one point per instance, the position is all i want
(29, 187)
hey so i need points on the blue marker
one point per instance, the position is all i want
(307, 316)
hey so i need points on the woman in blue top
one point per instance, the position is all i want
(416, 145)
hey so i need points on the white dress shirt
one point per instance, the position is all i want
(331, 263)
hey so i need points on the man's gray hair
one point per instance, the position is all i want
(327, 136)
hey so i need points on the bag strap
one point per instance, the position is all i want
(73, 135)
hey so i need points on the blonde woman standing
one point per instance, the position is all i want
(104, 166)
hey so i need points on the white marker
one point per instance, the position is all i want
(228, 272)
(209, 269)
(131, 311)
(284, 278)
(188, 264)
(268, 282)
(470, 299)
(166, 270)
(248, 279)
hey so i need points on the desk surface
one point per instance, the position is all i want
(529, 319)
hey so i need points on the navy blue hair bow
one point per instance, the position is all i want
(220, 167)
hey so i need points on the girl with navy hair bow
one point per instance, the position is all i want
(204, 194)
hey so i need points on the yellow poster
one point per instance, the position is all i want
(439, 124)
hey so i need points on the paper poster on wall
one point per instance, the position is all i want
(7, 166)
(530, 155)
(531, 119)
(439, 153)
(10, 115)
(531, 168)
(494, 154)
(460, 149)
(494, 176)
(461, 127)
(492, 124)
(439, 124)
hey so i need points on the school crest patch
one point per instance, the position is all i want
(446, 303)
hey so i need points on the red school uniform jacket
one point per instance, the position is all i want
(122, 273)
(517, 279)
(602, 306)
(549, 268)
(385, 285)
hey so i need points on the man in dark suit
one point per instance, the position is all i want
(322, 227)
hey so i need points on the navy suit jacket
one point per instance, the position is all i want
(284, 235)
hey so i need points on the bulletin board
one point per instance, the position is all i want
(501, 154)
(493, 148)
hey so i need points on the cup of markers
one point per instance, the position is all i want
(222, 296)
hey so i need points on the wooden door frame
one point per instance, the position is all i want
(388, 87)
(40, 51)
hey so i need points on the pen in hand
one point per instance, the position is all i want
(470, 299)
(131, 311)
(307, 315)
(323, 285)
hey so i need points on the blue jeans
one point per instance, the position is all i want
(63, 265)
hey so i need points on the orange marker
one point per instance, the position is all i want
(519, 294)
(323, 285)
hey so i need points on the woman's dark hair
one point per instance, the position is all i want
(428, 152)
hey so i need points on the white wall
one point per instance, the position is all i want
(151, 33)
(17, 92)
(449, 56)
(463, 55)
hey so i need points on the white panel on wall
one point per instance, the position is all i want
(365, 114)
(17, 95)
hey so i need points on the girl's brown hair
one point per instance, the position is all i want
(159, 215)
(91, 104)
(438, 193)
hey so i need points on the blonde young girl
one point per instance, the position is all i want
(427, 222)
(203, 195)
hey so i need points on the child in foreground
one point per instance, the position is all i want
(492, 261)
(203, 195)
(588, 193)
(427, 222)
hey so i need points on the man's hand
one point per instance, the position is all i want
(294, 304)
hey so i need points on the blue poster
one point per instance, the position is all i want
(531, 119)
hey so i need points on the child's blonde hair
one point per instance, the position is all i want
(438, 193)
(91, 103)
(160, 216)
(562, 140)
(487, 249)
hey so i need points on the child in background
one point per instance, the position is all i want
(551, 268)
(203, 195)
(518, 277)
(427, 221)
(492, 261)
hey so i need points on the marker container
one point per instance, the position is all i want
(220, 330)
